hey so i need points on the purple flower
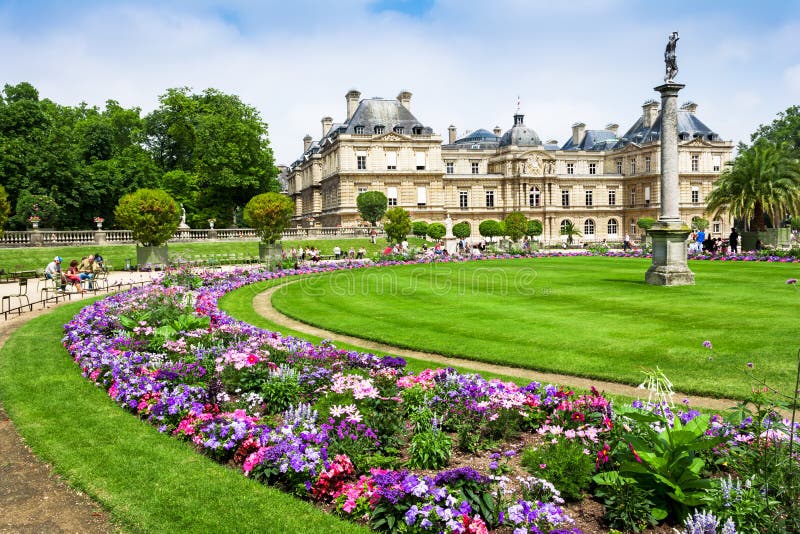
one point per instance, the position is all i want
(707, 344)
(791, 281)
(750, 365)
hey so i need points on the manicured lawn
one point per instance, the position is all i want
(149, 482)
(592, 317)
(115, 255)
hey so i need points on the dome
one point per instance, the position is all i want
(520, 135)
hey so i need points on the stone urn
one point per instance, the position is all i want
(35, 225)
(99, 225)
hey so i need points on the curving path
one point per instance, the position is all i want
(262, 303)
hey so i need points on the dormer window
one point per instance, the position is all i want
(379, 130)
(358, 130)
(417, 130)
(399, 129)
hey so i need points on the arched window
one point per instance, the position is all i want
(534, 197)
(613, 227)
(564, 224)
(588, 227)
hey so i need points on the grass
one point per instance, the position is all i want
(592, 317)
(115, 255)
(149, 482)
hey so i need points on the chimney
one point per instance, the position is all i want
(649, 113)
(612, 128)
(497, 131)
(353, 98)
(578, 130)
(326, 125)
(405, 100)
(306, 142)
(451, 134)
(690, 106)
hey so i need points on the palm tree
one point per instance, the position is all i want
(569, 229)
(763, 179)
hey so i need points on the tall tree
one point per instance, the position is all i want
(372, 205)
(784, 129)
(763, 179)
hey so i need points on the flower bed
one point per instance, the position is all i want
(377, 444)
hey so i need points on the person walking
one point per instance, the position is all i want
(626, 244)
(733, 241)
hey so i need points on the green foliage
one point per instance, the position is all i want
(794, 222)
(42, 206)
(150, 214)
(562, 463)
(700, 223)
(268, 214)
(5, 208)
(429, 449)
(534, 228)
(741, 501)
(667, 462)
(462, 230)
(516, 225)
(627, 506)
(398, 224)
(281, 389)
(436, 230)
(490, 228)
(419, 228)
(570, 230)
(783, 130)
(645, 223)
(763, 179)
(372, 206)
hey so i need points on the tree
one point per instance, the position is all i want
(269, 213)
(462, 230)
(5, 208)
(41, 206)
(419, 228)
(645, 223)
(783, 130)
(436, 231)
(397, 225)
(700, 223)
(570, 230)
(763, 179)
(372, 206)
(516, 224)
(534, 228)
(490, 228)
(151, 214)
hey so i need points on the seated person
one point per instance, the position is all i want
(88, 269)
(53, 272)
(73, 275)
(98, 260)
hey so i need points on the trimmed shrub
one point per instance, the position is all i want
(268, 214)
(436, 230)
(150, 214)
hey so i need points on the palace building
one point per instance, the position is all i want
(601, 181)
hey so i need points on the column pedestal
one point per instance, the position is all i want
(669, 266)
(451, 244)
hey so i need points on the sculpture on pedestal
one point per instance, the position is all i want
(670, 58)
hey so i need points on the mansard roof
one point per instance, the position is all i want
(372, 112)
(593, 140)
(689, 127)
(478, 139)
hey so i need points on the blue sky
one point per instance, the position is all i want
(466, 62)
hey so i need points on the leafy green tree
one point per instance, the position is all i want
(763, 179)
(794, 222)
(41, 206)
(151, 214)
(534, 228)
(269, 214)
(220, 139)
(372, 206)
(700, 223)
(184, 187)
(570, 230)
(436, 230)
(462, 230)
(645, 223)
(516, 224)
(783, 130)
(419, 228)
(397, 225)
(5, 208)
(490, 228)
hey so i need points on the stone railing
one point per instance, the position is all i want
(39, 238)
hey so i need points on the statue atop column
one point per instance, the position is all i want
(671, 59)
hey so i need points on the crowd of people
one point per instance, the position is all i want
(76, 274)
(702, 243)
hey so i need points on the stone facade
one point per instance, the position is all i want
(599, 180)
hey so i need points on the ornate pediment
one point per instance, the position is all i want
(393, 137)
(697, 142)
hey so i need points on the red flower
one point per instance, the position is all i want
(636, 456)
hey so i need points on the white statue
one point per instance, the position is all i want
(448, 226)
(183, 215)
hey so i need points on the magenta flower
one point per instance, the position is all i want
(750, 365)
(791, 281)
(707, 344)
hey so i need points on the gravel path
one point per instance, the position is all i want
(263, 305)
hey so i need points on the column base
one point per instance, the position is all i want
(451, 244)
(669, 266)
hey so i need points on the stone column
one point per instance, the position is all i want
(669, 234)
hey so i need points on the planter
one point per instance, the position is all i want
(774, 237)
(99, 226)
(35, 225)
(270, 254)
(151, 256)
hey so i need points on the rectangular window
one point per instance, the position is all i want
(633, 166)
(358, 130)
(450, 167)
(717, 163)
(633, 227)
(695, 194)
(695, 162)
(619, 166)
(589, 197)
(489, 199)
(593, 168)
(612, 197)
(633, 196)
(570, 168)
(361, 161)
(362, 189)
(422, 196)
(391, 160)
(463, 199)
(647, 164)
(647, 195)
(420, 161)
(475, 167)
(717, 227)
(391, 194)
(565, 198)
